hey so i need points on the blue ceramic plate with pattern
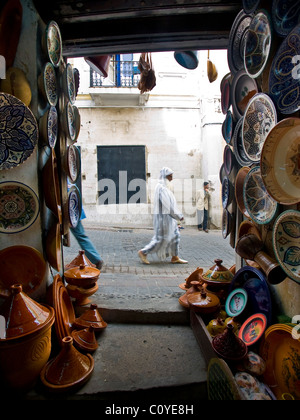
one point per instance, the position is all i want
(285, 16)
(48, 84)
(235, 52)
(74, 206)
(259, 204)
(18, 132)
(286, 243)
(284, 81)
(19, 207)
(236, 302)
(238, 147)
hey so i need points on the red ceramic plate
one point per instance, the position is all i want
(253, 329)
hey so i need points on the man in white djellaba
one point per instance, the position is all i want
(165, 241)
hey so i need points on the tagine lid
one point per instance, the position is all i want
(91, 317)
(218, 273)
(203, 301)
(82, 272)
(80, 259)
(23, 315)
(228, 346)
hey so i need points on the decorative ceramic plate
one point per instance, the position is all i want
(284, 81)
(285, 16)
(74, 206)
(228, 159)
(258, 44)
(49, 127)
(227, 223)
(70, 121)
(236, 302)
(250, 5)
(24, 265)
(19, 207)
(238, 146)
(54, 43)
(281, 353)
(254, 282)
(243, 89)
(18, 132)
(280, 160)
(253, 329)
(48, 83)
(73, 163)
(225, 94)
(286, 243)
(69, 83)
(237, 35)
(227, 127)
(54, 246)
(260, 117)
(259, 204)
(227, 192)
(239, 188)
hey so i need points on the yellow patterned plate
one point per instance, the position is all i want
(280, 162)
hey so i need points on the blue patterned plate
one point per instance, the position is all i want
(74, 206)
(18, 132)
(19, 207)
(285, 16)
(259, 204)
(286, 243)
(284, 81)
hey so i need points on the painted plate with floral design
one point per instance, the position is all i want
(280, 162)
(259, 204)
(18, 131)
(19, 207)
(260, 117)
(286, 243)
(70, 121)
(54, 43)
(69, 83)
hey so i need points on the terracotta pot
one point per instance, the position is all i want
(80, 259)
(212, 72)
(68, 370)
(196, 286)
(91, 317)
(80, 294)
(194, 276)
(27, 346)
(203, 302)
(53, 247)
(85, 339)
(82, 276)
(251, 247)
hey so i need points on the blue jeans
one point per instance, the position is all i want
(204, 224)
(85, 243)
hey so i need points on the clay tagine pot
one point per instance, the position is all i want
(91, 317)
(82, 276)
(27, 344)
(82, 294)
(68, 370)
(85, 339)
(250, 247)
(203, 302)
(228, 346)
(196, 286)
(218, 274)
(194, 276)
(80, 259)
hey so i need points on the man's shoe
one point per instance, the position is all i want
(143, 257)
(99, 264)
(177, 260)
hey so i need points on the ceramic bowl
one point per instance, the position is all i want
(82, 294)
(68, 83)
(69, 121)
(258, 44)
(19, 207)
(227, 192)
(72, 163)
(227, 127)
(259, 119)
(285, 16)
(259, 204)
(47, 83)
(238, 147)
(74, 206)
(236, 302)
(280, 162)
(228, 159)
(239, 188)
(243, 89)
(227, 223)
(52, 43)
(30, 270)
(20, 137)
(253, 329)
(99, 64)
(51, 186)
(284, 77)
(48, 126)
(286, 243)
(82, 276)
(225, 94)
(235, 52)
